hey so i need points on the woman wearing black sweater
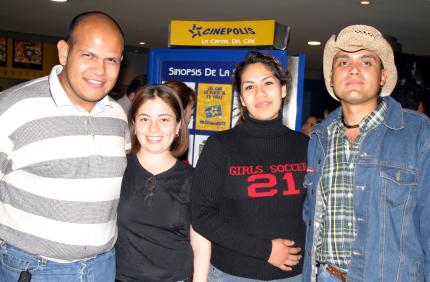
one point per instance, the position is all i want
(247, 193)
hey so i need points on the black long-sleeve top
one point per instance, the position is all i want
(247, 190)
(153, 224)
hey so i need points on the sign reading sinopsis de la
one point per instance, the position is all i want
(212, 83)
(198, 71)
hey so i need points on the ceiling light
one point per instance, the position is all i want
(314, 43)
(142, 43)
(365, 2)
(58, 0)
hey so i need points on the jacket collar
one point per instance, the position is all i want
(394, 116)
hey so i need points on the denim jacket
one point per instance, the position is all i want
(391, 199)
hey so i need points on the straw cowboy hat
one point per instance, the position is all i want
(360, 37)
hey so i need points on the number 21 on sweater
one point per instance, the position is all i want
(268, 188)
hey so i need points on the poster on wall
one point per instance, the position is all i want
(27, 54)
(214, 102)
(212, 83)
(211, 80)
(3, 51)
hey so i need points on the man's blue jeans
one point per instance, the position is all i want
(97, 269)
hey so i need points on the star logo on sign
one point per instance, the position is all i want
(195, 31)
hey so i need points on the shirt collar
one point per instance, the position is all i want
(372, 120)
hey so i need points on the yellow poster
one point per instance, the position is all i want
(214, 106)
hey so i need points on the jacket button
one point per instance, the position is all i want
(310, 223)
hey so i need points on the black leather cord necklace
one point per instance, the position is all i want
(349, 126)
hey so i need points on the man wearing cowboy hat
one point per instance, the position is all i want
(368, 180)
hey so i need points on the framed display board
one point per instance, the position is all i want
(209, 72)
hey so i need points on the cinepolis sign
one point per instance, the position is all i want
(222, 34)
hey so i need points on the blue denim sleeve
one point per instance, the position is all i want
(308, 181)
(306, 209)
(423, 201)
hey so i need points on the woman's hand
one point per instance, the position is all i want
(284, 255)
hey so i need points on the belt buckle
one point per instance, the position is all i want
(336, 272)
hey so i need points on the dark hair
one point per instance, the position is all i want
(169, 96)
(185, 93)
(135, 84)
(269, 62)
(409, 95)
(81, 17)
